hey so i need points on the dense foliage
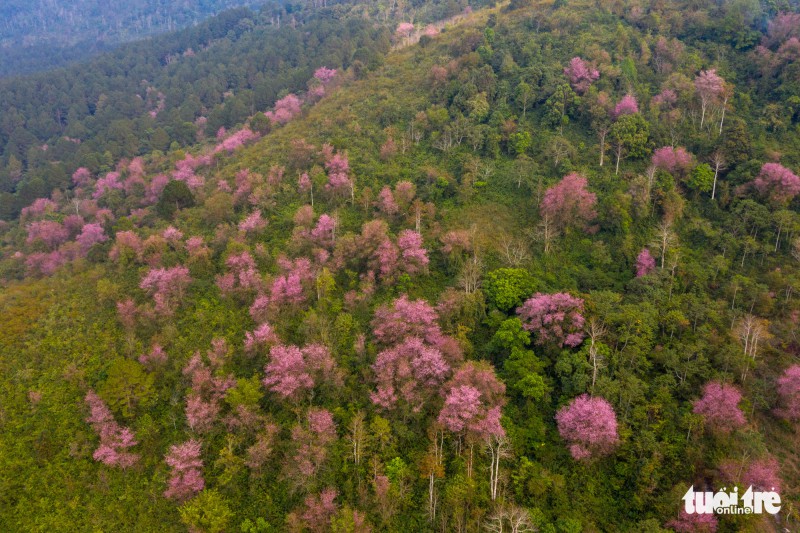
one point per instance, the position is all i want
(36, 34)
(531, 268)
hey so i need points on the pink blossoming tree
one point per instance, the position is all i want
(186, 478)
(569, 203)
(589, 425)
(311, 441)
(777, 182)
(645, 263)
(693, 523)
(114, 439)
(789, 393)
(166, 286)
(473, 399)
(554, 318)
(580, 74)
(285, 110)
(293, 371)
(627, 106)
(719, 406)
(409, 372)
(325, 74)
(709, 87)
(673, 160)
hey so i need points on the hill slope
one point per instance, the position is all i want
(369, 313)
(41, 34)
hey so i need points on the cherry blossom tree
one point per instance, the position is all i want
(627, 106)
(43, 263)
(672, 159)
(554, 318)
(285, 110)
(430, 31)
(789, 393)
(90, 235)
(155, 358)
(589, 425)
(48, 232)
(580, 74)
(763, 475)
(114, 439)
(409, 372)
(293, 371)
(186, 478)
(201, 414)
(473, 399)
(230, 144)
(645, 263)
(404, 30)
(324, 74)
(208, 387)
(784, 26)
(568, 203)
(318, 510)
(338, 167)
(777, 182)
(81, 177)
(709, 87)
(324, 233)
(253, 223)
(172, 235)
(154, 189)
(693, 523)
(263, 335)
(127, 247)
(242, 276)
(287, 289)
(310, 441)
(166, 286)
(414, 257)
(406, 318)
(666, 98)
(107, 183)
(386, 202)
(38, 208)
(719, 406)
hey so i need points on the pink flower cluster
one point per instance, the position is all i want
(114, 439)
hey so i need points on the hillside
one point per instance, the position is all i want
(40, 34)
(535, 271)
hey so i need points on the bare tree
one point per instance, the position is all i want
(511, 519)
(546, 231)
(750, 330)
(496, 448)
(470, 276)
(665, 240)
(514, 250)
(596, 331)
(719, 164)
(357, 436)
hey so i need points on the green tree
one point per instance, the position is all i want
(524, 95)
(176, 195)
(127, 387)
(558, 106)
(208, 512)
(702, 178)
(506, 288)
(629, 135)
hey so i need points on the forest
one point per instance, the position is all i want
(407, 266)
(41, 34)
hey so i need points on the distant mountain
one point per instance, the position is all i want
(40, 34)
